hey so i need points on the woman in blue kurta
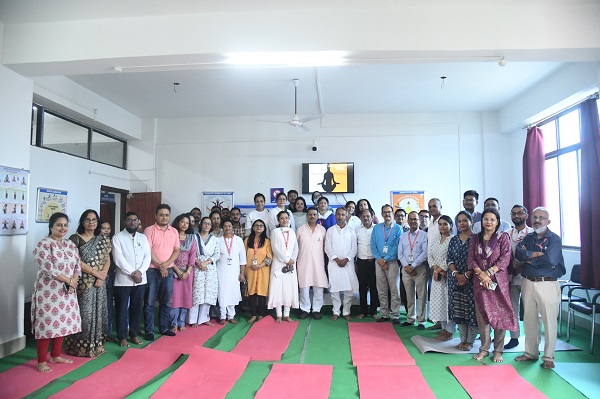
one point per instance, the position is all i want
(461, 301)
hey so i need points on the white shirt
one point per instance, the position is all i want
(255, 215)
(363, 238)
(130, 253)
(273, 222)
(515, 238)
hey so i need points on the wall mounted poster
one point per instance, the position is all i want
(408, 200)
(50, 201)
(222, 199)
(14, 196)
(274, 193)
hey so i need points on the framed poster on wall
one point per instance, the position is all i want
(49, 201)
(14, 197)
(408, 200)
(222, 199)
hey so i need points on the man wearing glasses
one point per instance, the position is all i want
(519, 216)
(544, 265)
(470, 201)
(131, 253)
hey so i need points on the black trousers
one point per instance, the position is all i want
(258, 305)
(134, 297)
(367, 282)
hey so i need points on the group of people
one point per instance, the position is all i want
(474, 268)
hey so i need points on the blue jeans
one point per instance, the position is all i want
(178, 316)
(160, 288)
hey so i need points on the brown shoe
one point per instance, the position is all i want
(335, 317)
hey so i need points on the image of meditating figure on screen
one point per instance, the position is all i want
(328, 182)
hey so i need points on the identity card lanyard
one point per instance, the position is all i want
(411, 258)
(541, 245)
(385, 238)
(228, 249)
(286, 238)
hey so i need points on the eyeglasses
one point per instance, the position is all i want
(132, 220)
(540, 218)
(207, 224)
(469, 200)
(90, 221)
(521, 213)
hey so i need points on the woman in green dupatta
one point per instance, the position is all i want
(94, 250)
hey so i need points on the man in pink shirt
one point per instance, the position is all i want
(164, 246)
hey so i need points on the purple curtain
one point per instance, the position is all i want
(534, 172)
(589, 215)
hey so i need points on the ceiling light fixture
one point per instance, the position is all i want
(290, 58)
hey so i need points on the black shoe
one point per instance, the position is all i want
(303, 315)
(512, 343)
(316, 315)
(383, 319)
(396, 321)
(149, 337)
(421, 327)
(168, 333)
(406, 324)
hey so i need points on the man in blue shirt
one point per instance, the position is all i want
(540, 291)
(384, 246)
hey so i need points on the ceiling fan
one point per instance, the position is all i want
(296, 121)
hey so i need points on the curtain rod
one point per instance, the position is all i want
(541, 121)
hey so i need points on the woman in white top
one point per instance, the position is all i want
(273, 218)
(206, 283)
(437, 256)
(283, 285)
(231, 268)
(259, 213)
(300, 213)
(352, 220)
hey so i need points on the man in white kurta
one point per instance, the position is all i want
(311, 265)
(340, 247)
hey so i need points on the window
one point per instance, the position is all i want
(562, 137)
(59, 133)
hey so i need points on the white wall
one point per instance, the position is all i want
(390, 152)
(51, 169)
(15, 124)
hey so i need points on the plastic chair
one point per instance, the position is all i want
(588, 307)
(573, 281)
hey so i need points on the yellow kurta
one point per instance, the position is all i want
(258, 280)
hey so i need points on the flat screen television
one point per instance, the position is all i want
(334, 177)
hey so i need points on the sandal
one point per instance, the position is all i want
(136, 340)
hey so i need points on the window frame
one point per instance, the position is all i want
(38, 135)
(563, 151)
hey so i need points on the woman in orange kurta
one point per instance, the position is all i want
(258, 270)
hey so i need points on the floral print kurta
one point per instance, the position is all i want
(54, 312)
(437, 253)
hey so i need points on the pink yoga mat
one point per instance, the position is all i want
(296, 381)
(495, 382)
(402, 382)
(266, 340)
(23, 379)
(377, 344)
(207, 373)
(185, 341)
(131, 371)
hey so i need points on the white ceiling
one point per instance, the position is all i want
(390, 87)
